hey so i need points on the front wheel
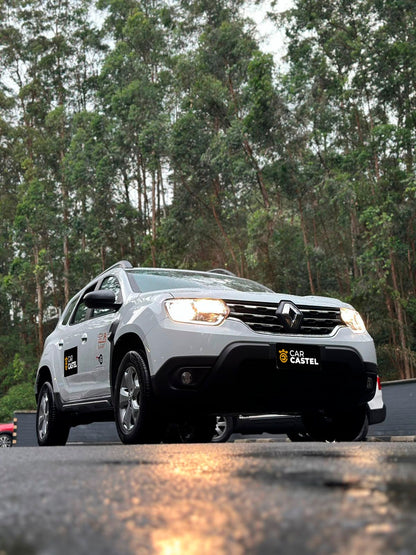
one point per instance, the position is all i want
(336, 426)
(136, 415)
(362, 435)
(51, 426)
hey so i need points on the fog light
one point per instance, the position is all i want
(186, 378)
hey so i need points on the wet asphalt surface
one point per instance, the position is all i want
(229, 498)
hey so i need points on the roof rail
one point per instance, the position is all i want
(121, 264)
(222, 271)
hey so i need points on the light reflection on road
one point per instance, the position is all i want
(366, 501)
(210, 499)
(192, 514)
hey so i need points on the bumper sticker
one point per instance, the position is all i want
(290, 356)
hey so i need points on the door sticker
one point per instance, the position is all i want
(100, 361)
(102, 340)
(71, 362)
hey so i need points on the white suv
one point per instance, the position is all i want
(163, 351)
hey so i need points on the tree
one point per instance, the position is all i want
(134, 86)
(353, 110)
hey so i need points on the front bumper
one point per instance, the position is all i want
(245, 378)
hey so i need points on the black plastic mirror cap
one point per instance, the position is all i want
(101, 299)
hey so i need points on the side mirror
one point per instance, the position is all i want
(103, 298)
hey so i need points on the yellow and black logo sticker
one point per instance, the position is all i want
(283, 356)
(298, 356)
(71, 362)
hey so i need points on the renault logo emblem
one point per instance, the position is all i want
(290, 315)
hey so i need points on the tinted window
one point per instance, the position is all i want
(110, 283)
(68, 311)
(81, 312)
(145, 280)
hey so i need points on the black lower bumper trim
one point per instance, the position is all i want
(245, 379)
(375, 416)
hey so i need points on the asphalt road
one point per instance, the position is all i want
(232, 498)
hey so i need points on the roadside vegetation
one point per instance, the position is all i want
(161, 133)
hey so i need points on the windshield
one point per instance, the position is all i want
(145, 280)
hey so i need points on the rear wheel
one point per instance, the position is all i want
(51, 426)
(336, 426)
(198, 429)
(299, 436)
(224, 427)
(136, 415)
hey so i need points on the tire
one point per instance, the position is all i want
(362, 436)
(6, 440)
(350, 426)
(224, 427)
(338, 426)
(299, 436)
(51, 426)
(199, 429)
(136, 415)
(319, 426)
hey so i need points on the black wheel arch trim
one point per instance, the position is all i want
(43, 375)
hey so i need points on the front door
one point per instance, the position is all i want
(98, 345)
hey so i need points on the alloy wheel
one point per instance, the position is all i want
(43, 416)
(220, 426)
(129, 399)
(5, 440)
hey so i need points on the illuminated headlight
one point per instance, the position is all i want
(198, 311)
(353, 320)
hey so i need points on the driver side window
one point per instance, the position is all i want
(109, 283)
(81, 312)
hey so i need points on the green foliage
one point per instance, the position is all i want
(19, 397)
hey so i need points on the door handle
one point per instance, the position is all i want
(84, 338)
(60, 343)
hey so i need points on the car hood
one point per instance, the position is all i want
(257, 297)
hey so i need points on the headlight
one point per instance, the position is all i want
(198, 311)
(353, 320)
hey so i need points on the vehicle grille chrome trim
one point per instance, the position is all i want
(262, 318)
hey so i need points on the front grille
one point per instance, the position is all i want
(262, 318)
